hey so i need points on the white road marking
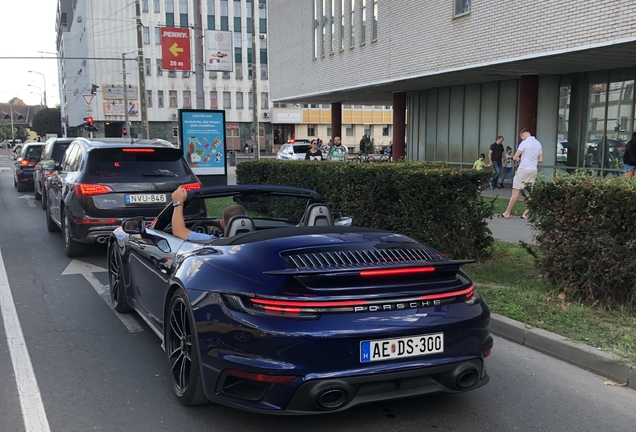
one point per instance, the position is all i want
(87, 270)
(29, 198)
(5, 169)
(33, 412)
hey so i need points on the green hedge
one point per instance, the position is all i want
(586, 237)
(434, 204)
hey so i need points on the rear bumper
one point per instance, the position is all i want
(92, 233)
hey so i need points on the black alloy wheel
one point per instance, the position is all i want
(71, 247)
(182, 352)
(116, 280)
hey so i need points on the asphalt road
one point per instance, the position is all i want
(93, 371)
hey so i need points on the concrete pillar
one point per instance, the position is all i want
(336, 120)
(399, 125)
(528, 102)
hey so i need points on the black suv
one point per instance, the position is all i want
(24, 165)
(99, 182)
(53, 149)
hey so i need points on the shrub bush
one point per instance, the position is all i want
(431, 203)
(585, 239)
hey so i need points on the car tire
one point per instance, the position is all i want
(15, 182)
(182, 352)
(51, 226)
(118, 296)
(44, 199)
(71, 247)
(38, 195)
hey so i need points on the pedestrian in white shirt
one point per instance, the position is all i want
(528, 155)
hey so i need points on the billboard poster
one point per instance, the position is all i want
(218, 51)
(203, 141)
(117, 109)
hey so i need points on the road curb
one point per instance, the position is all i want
(580, 355)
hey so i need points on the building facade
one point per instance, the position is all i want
(460, 72)
(93, 36)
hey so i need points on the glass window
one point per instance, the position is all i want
(147, 66)
(238, 71)
(237, 24)
(349, 130)
(170, 13)
(144, 5)
(185, 74)
(173, 98)
(149, 98)
(172, 74)
(374, 30)
(329, 131)
(157, 35)
(262, 20)
(250, 100)
(323, 18)
(333, 27)
(169, 6)
(187, 99)
(263, 55)
(311, 130)
(224, 23)
(352, 23)
(264, 100)
(160, 98)
(213, 74)
(264, 74)
(367, 130)
(214, 104)
(363, 22)
(227, 100)
(146, 35)
(462, 7)
(156, 6)
(342, 24)
(183, 6)
(316, 28)
(239, 100)
(225, 75)
(386, 130)
(159, 68)
(224, 19)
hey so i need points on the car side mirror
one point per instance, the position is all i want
(47, 164)
(11, 157)
(342, 220)
(134, 225)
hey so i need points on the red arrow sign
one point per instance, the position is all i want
(175, 48)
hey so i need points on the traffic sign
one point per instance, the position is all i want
(88, 98)
(175, 48)
(232, 126)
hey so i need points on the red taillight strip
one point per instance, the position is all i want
(277, 379)
(395, 272)
(138, 150)
(191, 186)
(300, 304)
(468, 292)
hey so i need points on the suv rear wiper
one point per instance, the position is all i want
(160, 175)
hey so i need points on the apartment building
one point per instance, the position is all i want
(459, 72)
(97, 41)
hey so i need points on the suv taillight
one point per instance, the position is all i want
(85, 190)
(191, 186)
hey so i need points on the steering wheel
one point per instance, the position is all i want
(202, 227)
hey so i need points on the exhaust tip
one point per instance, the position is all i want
(101, 240)
(467, 379)
(331, 399)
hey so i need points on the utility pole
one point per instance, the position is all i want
(126, 119)
(143, 110)
(255, 139)
(198, 56)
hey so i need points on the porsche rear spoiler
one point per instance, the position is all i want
(398, 268)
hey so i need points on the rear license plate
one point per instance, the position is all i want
(388, 349)
(146, 199)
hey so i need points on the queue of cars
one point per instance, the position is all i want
(280, 315)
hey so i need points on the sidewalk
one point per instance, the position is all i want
(512, 230)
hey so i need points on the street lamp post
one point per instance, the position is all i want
(44, 92)
(39, 88)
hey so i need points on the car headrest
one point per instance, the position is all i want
(318, 215)
(239, 224)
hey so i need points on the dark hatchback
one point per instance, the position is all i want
(99, 182)
(24, 165)
(53, 149)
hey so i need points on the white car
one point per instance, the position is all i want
(293, 151)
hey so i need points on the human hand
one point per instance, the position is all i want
(179, 195)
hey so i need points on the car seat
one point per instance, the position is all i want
(318, 215)
(239, 224)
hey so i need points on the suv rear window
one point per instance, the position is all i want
(32, 152)
(125, 163)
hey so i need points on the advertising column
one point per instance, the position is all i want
(203, 140)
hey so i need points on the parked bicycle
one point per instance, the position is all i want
(363, 157)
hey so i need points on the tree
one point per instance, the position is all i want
(47, 121)
(5, 132)
(366, 144)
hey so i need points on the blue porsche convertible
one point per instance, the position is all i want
(291, 310)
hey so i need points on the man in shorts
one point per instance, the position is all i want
(529, 154)
(337, 153)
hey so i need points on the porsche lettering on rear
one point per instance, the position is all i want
(397, 306)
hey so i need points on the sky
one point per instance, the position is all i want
(28, 27)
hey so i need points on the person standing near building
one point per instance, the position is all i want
(508, 163)
(495, 155)
(629, 158)
(338, 152)
(528, 155)
(479, 163)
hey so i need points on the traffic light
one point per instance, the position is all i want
(124, 131)
(94, 89)
(175, 132)
(89, 124)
